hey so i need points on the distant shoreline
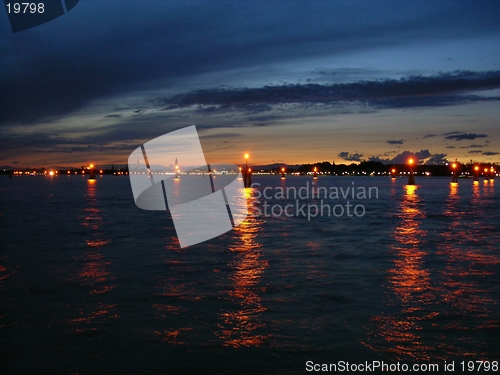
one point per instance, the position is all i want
(323, 169)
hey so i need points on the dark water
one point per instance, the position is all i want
(90, 284)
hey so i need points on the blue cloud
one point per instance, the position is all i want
(463, 136)
(396, 142)
(350, 157)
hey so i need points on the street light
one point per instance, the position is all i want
(411, 177)
(476, 173)
(246, 159)
(454, 178)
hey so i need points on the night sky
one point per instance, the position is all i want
(287, 82)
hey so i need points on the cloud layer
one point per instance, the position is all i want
(105, 78)
(102, 50)
(423, 157)
(413, 91)
(456, 136)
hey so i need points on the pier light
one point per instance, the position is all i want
(282, 169)
(91, 166)
(240, 169)
(249, 169)
(476, 168)
(454, 180)
(411, 177)
(51, 173)
(246, 159)
(315, 169)
(393, 171)
(100, 171)
(485, 170)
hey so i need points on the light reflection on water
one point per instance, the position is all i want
(93, 275)
(238, 319)
(465, 263)
(247, 265)
(416, 279)
(410, 285)
(444, 306)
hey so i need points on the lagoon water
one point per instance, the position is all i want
(90, 284)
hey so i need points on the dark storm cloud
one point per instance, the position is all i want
(473, 146)
(396, 142)
(437, 159)
(421, 156)
(350, 157)
(103, 49)
(463, 136)
(414, 91)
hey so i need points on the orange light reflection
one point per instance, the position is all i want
(94, 273)
(409, 284)
(240, 326)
